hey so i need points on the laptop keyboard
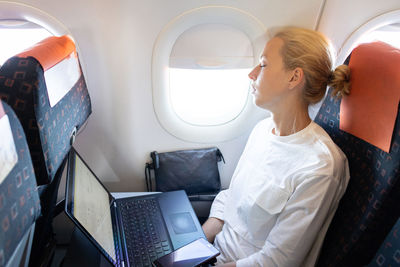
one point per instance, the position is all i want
(145, 236)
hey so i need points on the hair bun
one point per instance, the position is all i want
(339, 81)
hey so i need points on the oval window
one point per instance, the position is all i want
(208, 70)
(17, 35)
(389, 34)
(385, 28)
(199, 74)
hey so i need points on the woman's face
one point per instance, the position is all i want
(270, 80)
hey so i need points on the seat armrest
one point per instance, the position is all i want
(201, 204)
(203, 197)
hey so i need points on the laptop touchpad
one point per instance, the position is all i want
(182, 223)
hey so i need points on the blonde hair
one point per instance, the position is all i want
(312, 52)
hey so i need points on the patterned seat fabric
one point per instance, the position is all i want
(369, 207)
(28, 82)
(48, 129)
(389, 252)
(19, 198)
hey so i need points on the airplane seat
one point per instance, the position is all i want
(369, 207)
(388, 253)
(47, 90)
(201, 204)
(19, 198)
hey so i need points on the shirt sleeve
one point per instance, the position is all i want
(217, 207)
(297, 225)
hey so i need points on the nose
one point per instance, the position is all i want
(254, 73)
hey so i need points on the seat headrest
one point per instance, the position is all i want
(8, 155)
(50, 51)
(1, 110)
(370, 111)
(47, 88)
(60, 63)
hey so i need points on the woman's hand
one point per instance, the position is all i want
(212, 227)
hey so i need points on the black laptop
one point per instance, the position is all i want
(130, 231)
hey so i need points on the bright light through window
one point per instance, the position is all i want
(389, 37)
(207, 97)
(16, 40)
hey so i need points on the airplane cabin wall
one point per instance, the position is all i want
(116, 39)
(340, 18)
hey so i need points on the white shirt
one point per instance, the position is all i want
(281, 199)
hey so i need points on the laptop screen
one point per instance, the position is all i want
(91, 205)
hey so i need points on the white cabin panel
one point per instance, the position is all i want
(115, 40)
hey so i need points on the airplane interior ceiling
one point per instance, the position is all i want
(116, 39)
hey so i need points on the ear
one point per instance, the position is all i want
(296, 78)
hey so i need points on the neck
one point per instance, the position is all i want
(291, 120)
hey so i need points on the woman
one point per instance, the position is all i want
(291, 176)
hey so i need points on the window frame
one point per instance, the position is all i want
(12, 11)
(250, 114)
(375, 23)
(19, 11)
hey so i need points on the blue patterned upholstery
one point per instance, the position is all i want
(48, 129)
(369, 207)
(19, 199)
(389, 252)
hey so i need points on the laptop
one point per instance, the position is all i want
(131, 231)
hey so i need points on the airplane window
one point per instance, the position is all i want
(17, 35)
(208, 97)
(385, 28)
(199, 74)
(208, 70)
(388, 34)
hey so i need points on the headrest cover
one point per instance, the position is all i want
(50, 51)
(370, 111)
(8, 152)
(1, 110)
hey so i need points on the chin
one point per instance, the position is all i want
(261, 104)
(258, 103)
